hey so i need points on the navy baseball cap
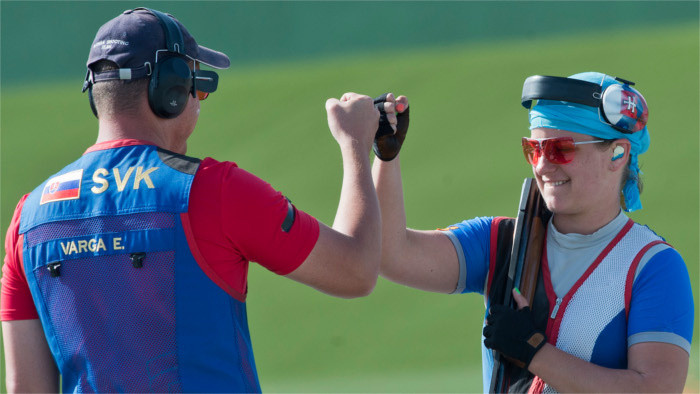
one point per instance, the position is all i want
(132, 39)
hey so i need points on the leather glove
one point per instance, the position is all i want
(387, 144)
(513, 333)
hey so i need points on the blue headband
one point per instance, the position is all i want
(583, 119)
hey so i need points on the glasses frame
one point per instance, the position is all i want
(541, 147)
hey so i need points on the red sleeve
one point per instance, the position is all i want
(237, 217)
(16, 301)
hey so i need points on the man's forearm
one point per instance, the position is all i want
(358, 214)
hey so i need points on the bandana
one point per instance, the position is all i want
(583, 119)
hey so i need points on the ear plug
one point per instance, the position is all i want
(618, 152)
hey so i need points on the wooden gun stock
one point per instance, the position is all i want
(533, 253)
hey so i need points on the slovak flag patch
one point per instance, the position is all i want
(62, 187)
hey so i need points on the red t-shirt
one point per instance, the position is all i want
(234, 217)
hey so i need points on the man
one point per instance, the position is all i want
(126, 271)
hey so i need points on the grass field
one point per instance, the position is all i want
(462, 159)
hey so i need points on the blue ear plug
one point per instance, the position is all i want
(618, 152)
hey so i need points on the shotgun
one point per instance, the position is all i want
(524, 264)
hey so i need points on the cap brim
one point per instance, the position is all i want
(213, 58)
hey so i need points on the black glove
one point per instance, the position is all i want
(513, 333)
(387, 144)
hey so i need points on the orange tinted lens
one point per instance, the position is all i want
(202, 95)
(531, 150)
(559, 150)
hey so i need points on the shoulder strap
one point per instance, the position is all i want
(501, 243)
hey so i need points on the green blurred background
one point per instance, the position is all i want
(461, 64)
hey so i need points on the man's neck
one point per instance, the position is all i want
(139, 128)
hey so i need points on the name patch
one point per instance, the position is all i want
(93, 245)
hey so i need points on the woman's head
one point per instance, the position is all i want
(576, 173)
(587, 121)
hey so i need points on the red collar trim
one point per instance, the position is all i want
(117, 144)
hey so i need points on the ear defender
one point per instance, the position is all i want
(169, 87)
(172, 80)
(619, 105)
(618, 152)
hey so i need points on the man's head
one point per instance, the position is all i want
(597, 105)
(142, 51)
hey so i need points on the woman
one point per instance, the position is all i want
(614, 310)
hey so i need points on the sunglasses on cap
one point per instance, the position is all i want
(556, 150)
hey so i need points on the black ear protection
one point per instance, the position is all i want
(619, 105)
(171, 77)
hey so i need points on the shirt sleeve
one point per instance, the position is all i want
(471, 239)
(661, 308)
(16, 301)
(252, 214)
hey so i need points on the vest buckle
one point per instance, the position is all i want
(137, 259)
(54, 269)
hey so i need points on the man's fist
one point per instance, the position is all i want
(352, 118)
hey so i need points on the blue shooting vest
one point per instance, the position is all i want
(124, 304)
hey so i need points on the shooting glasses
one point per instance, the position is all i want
(557, 150)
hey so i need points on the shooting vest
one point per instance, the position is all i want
(575, 322)
(109, 259)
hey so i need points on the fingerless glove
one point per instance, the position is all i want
(513, 333)
(387, 144)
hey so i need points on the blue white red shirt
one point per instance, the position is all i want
(660, 305)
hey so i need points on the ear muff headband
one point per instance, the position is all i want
(173, 36)
(620, 105)
(540, 87)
